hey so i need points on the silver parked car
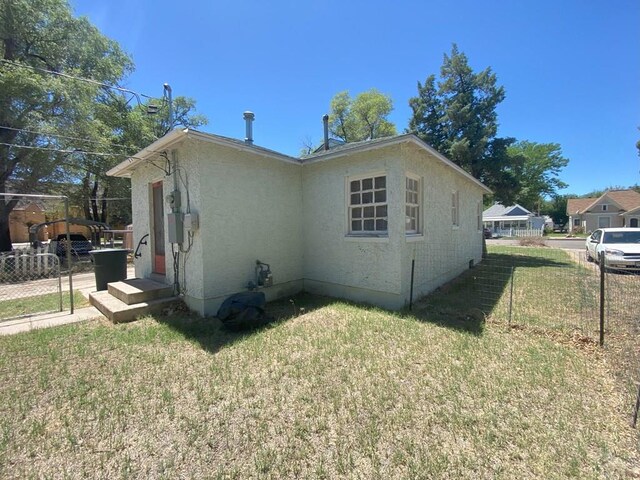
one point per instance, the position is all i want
(621, 247)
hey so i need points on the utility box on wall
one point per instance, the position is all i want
(175, 228)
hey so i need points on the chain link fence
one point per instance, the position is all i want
(556, 293)
(52, 242)
(30, 282)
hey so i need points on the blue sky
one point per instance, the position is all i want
(570, 68)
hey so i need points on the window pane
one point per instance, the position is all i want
(356, 225)
(368, 212)
(381, 196)
(381, 182)
(368, 225)
(355, 199)
(367, 183)
(408, 197)
(381, 224)
(356, 213)
(381, 211)
(367, 197)
(355, 186)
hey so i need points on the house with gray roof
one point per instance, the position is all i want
(513, 220)
(346, 221)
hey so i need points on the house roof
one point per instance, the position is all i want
(356, 147)
(498, 211)
(124, 169)
(626, 199)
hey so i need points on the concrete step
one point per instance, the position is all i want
(138, 290)
(117, 311)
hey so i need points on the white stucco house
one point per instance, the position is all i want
(344, 222)
(614, 208)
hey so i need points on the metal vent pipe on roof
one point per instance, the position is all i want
(325, 124)
(248, 118)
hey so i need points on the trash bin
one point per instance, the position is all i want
(110, 265)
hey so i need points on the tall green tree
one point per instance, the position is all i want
(41, 106)
(556, 208)
(43, 34)
(456, 114)
(540, 165)
(361, 118)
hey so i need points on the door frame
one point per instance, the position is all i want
(158, 255)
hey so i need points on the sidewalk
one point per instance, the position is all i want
(85, 283)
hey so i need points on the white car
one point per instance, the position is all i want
(621, 247)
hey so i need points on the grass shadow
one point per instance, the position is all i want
(211, 334)
(464, 303)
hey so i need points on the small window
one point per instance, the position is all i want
(479, 215)
(368, 205)
(604, 222)
(576, 222)
(605, 207)
(412, 205)
(455, 204)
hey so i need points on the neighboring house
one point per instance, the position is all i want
(505, 220)
(22, 217)
(614, 208)
(345, 222)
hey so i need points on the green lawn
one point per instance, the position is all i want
(49, 302)
(340, 391)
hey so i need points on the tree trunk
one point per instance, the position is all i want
(103, 213)
(5, 234)
(94, 201)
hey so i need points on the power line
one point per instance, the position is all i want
(58, 150)
(44, 134)
(82, 79)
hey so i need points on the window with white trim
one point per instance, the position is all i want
(368, 205)
(576, 222)
(412, 205)
(455, 208)
(605, 207)
(479, 215)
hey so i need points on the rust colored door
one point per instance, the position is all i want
(158, 228)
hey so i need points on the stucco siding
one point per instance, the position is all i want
(250, 210)
(443, 251)
(335, 262)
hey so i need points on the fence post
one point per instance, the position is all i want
(511, 294)
(602, 299)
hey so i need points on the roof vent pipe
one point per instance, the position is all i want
(325, 124)
(248, 118)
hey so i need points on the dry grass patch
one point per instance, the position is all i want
(339, 392)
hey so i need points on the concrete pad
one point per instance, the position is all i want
(33, 322)
(138, 290)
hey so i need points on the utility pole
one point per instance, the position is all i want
(167, 92)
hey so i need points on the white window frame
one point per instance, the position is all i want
(455, 208)
(350, 208)
(417, 205)
(605, 207)
(479, 216)
(577, 222)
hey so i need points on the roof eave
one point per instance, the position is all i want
(126, 168)
(409, 137)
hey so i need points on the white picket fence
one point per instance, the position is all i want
(518, 232)
(28, 264)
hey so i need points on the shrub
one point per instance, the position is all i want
(531, 242)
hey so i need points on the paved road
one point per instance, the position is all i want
(564, 243)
